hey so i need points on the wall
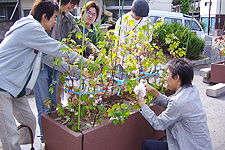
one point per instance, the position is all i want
(165, 5)
(204, 10)
(204, 13)
(220, 7)
(26, 4)
(4, 26)
(216, 9)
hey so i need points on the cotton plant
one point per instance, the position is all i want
(101, 77)
(140, 87)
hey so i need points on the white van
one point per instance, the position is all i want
(170, 17)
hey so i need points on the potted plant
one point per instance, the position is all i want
(218, 68)
(93, 97)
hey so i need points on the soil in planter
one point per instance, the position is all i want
(86, 123)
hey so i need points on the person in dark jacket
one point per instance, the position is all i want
(92, 13)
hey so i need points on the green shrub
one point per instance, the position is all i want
(203, 25)
(195, 44)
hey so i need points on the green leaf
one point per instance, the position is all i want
(99, 120)
(72, 122)
(136, 106)
(61, 111)
(111, 112)
(84, 97)
(100, 107)
(115, 106)
(75, 128)
(115, 121)
(123, 106)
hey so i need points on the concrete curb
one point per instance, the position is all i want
(199, 62)
(216, 90)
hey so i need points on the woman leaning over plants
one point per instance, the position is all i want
(92, 13)
(23, 42)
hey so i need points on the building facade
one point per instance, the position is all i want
(212, 15)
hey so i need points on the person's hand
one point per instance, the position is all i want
(151, 89)
(140, 100)
(148, 87)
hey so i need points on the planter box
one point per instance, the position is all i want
(218, 72)
(106, 136)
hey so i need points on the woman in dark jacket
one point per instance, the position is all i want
(92, 13)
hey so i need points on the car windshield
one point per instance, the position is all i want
(154, 19)
(171, 20)
(194, 26)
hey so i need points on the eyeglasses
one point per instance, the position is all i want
(91, 14)
(167, 74)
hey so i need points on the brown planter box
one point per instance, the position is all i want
(218, 72)
(107, 136)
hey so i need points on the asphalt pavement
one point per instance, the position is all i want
(214, 108)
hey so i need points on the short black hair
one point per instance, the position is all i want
(88, 6)
(75, 2)
(41, 7)
(65, 2)
(183, 68)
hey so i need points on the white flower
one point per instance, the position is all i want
(71, 110)
(91, 57)
(97, 101)
(112, 118)
(136, 54)
(142, 57)
(91, 96)
(77, 59)
(141, 88)
(160, 71)
(135, 72)
(85, 69)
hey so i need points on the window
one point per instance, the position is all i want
(154, 19)
(6, 12)
(2, 13)
(171, 20)
(194, 26)
(115, 6)
(26, 12)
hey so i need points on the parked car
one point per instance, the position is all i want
(170, 17)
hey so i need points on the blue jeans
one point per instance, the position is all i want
(41, 92)
(154, 145)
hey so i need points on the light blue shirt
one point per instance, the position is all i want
(184, 120)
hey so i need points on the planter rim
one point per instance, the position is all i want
(219, 63)
(47, 115)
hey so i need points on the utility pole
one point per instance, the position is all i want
(209, 17)
(219, 16)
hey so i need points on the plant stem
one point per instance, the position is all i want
(81, 65)
(53, 72)
(190, 28)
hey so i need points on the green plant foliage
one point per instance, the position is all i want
(100, 74)
(203, 25)
(185, 5)
(179, 35)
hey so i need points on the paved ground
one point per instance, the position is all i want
(214, 108)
